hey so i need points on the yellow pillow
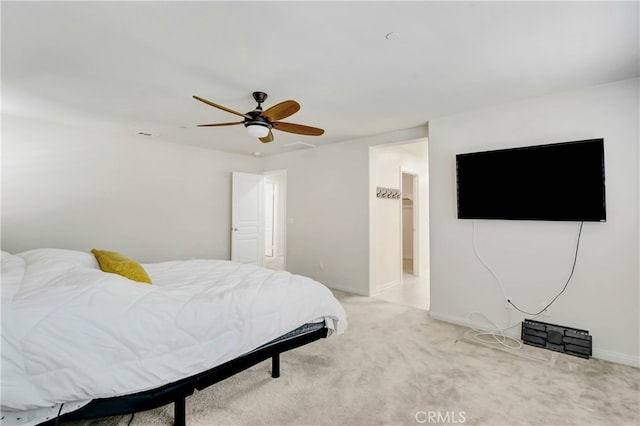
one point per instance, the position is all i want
(111, 261)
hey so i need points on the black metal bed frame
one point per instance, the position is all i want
(178, 391)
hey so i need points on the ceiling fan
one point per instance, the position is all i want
(259, 123)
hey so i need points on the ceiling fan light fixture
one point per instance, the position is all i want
(258, 130)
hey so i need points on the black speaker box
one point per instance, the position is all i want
(557, 338)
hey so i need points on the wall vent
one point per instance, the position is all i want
(300, 145)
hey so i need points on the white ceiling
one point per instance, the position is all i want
(129, 67)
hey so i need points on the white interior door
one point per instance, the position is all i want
(247, 217)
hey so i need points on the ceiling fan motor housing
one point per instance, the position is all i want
(257, 120)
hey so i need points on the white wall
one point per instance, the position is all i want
(328, 209)
(72, 188)
(533, 259)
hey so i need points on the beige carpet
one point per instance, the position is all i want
(396, 366)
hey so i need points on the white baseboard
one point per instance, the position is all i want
(605, 355)
(386, 286)
(468, 323)
(346, 289)
(617, 358)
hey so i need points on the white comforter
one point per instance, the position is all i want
(72, 333)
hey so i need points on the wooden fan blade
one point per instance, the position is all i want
(297, 128)
(281, 110)
(221, 107)
(267, 138)
(221, 124)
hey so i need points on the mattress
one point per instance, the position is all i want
(72, 333)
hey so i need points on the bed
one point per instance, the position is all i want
(80, 342)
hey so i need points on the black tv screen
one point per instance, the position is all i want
(562, 181)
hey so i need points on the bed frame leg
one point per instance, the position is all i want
(180, 411)
(275, 366)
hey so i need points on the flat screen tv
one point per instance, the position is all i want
(562, 181)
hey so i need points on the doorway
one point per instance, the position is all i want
(258, 211)
(275, 203)
(399, 229)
